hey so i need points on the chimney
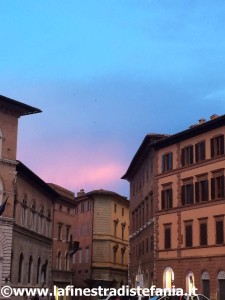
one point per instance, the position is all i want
(212, 117)
(201, 121)
(81, 193)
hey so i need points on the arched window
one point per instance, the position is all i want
(41, 218)
(67, 258)
(58, 262)
(190, 283)
(30, 270)
(49, 223)
(38, 270)
(24, 210)
(20, 271)
(33, 215)
(221, 284)
(206, 284)
(1, 139)
(1, 191)
(168, 278)
(44, 268)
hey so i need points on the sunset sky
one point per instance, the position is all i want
(106, 73)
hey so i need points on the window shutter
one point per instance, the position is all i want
(191, 154)
(197, 192)
(170, 161)
(197, 153)
(202, 150)
(222, 187)
(212, 147)
(170, 204)
(182, 157)
(222, 145)
(212, 188)
(205, 191)
(183, 194)
(163, 199)
(163, 163)
(192, 193)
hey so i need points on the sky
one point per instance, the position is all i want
(105, 73)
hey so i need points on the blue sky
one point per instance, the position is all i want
(105, 73)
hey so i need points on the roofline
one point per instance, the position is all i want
(24, 109)
(191, 132)
(32, 176)
(93, 193)
(142, 150)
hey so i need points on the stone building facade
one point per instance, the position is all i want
(10, 111)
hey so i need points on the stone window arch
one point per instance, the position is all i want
(21, 266)
(30, 270)
(24, 210)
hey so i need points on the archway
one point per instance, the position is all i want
(221, 283)
(168, 278)
(206, 284)
(190, 282)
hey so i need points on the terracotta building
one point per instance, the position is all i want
(10, 111)
(190, 219)
(143, 204)
(101, 227)
(187, 187)
(64, 244)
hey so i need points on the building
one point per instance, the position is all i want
(64, 245)
(32, 230)
(187, 188)
(143, 204)
(101, 227)
(10, 112)
(191, 203)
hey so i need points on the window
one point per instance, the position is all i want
(115, 248)
(80, 256)
(87, 255)
(219, 231)
(187, 193)
(187, 156)
(38, 270)
(217, 146)
(114, 208)
(88, 206)
(115, 227)
(167, 235)
(59, 260)
(167, 197)
(67, 233)
(147, 245)
(32, 216)
(201, 190)
(122, 255)
(20, 271)
(167, 162)
(123, 225)
(188, 235)
(200, 151)
(30, 270)
(122, 211)
(67, 258)
(41, 217)
(217, 187)
(59, 231)
(24, 210)
(203, 233)
(82, 208)
(152, 243)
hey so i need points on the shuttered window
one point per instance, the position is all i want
(187, 156)
(188, 235)
(217, 187)
(219, 232)
(167, 162)
(217, 146)
(167, 198)
(187, 194)
(203, 234)
(201, 191)
(200, 151)
(167, 237)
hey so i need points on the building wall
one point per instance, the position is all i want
(195, 260)
(142, 228)
(32, 234)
